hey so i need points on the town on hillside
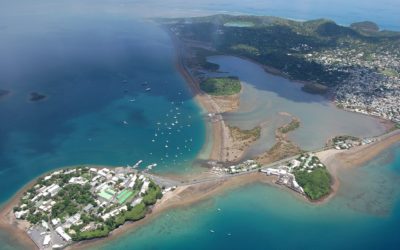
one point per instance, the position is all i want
(84, 203)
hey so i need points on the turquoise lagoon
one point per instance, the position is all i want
(94, 62)
(95, 71)
(364, 215)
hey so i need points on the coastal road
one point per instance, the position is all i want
(166, 182)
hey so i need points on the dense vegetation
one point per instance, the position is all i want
(68, 202)
(70, 199)
(314, 88)
(283, 44)
(200, 60)
(245, 134)
(152, 195)
(365, 26)
(344, 138)
(315, 184)
(221, 86)
(295, 123)
(132, 214)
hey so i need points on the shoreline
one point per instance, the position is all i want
(188, 195)
(182, 197)
(8, 222)
(353, 158)
(219, 137)
(219, 129)
(192, 194)
(388, 124)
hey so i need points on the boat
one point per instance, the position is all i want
(132, 100)
(125, 122)
(149, 167)
(212, 231)
(148, 89)
(137, 164)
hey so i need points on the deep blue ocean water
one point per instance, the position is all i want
(95, 71)
(94, 61)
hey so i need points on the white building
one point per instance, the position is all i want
(145, 187)
(46, 240)
(63, 234)
(78, 180)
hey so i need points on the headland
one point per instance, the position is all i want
(125, 203)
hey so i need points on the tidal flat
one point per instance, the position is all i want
(265, 98)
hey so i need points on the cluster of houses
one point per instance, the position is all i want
(340, 145)
(245, 166)
(285, 177)
(366, 141)
(112, 190)
(285, 173)
(345, 142)
(372, 85)
(349, 143)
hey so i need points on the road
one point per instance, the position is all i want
(166, 182)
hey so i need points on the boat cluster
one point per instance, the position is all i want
(170, 134)
(171, 131)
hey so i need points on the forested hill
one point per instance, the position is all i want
(285, 44)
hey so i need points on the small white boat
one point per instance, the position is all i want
(137, 164)
(151, 166)
(212, 231)
(125, 122)
(148, 89)
(132, 100)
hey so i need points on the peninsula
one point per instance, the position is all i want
(359, 66)
(79, 206)
(83, 203)
(67, 207)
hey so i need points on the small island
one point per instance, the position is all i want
(35, 97)
(84, 203)
(4, 93)
(221, 86)
(73, 205)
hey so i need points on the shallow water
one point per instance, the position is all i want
(93, 68)
(265, 96)
(80, 52)
(364, 215)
